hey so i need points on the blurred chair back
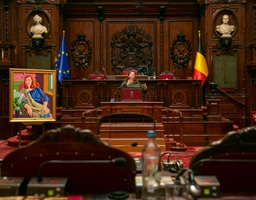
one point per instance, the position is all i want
(76, 146)
(232, 160)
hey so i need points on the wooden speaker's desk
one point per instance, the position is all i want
(185, 95)
(153, 109)
(87, 94)
(121, 134)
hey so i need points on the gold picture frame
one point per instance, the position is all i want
(32, 95)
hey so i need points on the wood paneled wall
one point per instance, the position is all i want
(163, 28)
(163, 21)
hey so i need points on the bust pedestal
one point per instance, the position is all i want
(213, 110)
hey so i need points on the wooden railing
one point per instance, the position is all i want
(175, 113)
(92, 115)
(240, 118)
(232, 98)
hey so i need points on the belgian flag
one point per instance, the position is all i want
(200, 70)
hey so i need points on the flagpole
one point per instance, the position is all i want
(200, 44)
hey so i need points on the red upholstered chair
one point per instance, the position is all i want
(166, 75)
(126, 71)
(96, 76)
(72, 147)
(232, 160)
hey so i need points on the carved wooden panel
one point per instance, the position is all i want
(89, 47)
(81, 51)
(187, 47)
(181, 51)
(143, 47)
(131, 49)
(174, 93)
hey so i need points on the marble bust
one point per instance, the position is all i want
(38, 29)
(225, 29)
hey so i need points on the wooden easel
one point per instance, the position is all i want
(26, 124)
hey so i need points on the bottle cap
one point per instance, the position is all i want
(151, 133)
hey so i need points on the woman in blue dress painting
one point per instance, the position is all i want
(35, 101)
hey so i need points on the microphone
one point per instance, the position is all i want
(119, 161)
(194, 189)
(134, 144)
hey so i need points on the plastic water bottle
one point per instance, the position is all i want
(151, 168)
(154, 75)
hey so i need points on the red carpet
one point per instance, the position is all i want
(26, 138)
(5, 149)
(7, 146)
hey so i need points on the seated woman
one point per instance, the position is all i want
(131, 81)
(35, 101)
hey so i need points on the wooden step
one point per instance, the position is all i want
(121, 135)
(130, 130)
(125, 144)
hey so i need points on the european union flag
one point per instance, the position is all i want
(61, 64)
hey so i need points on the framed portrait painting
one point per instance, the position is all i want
(32, 95)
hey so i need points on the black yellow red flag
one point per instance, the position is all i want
(200, 70)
